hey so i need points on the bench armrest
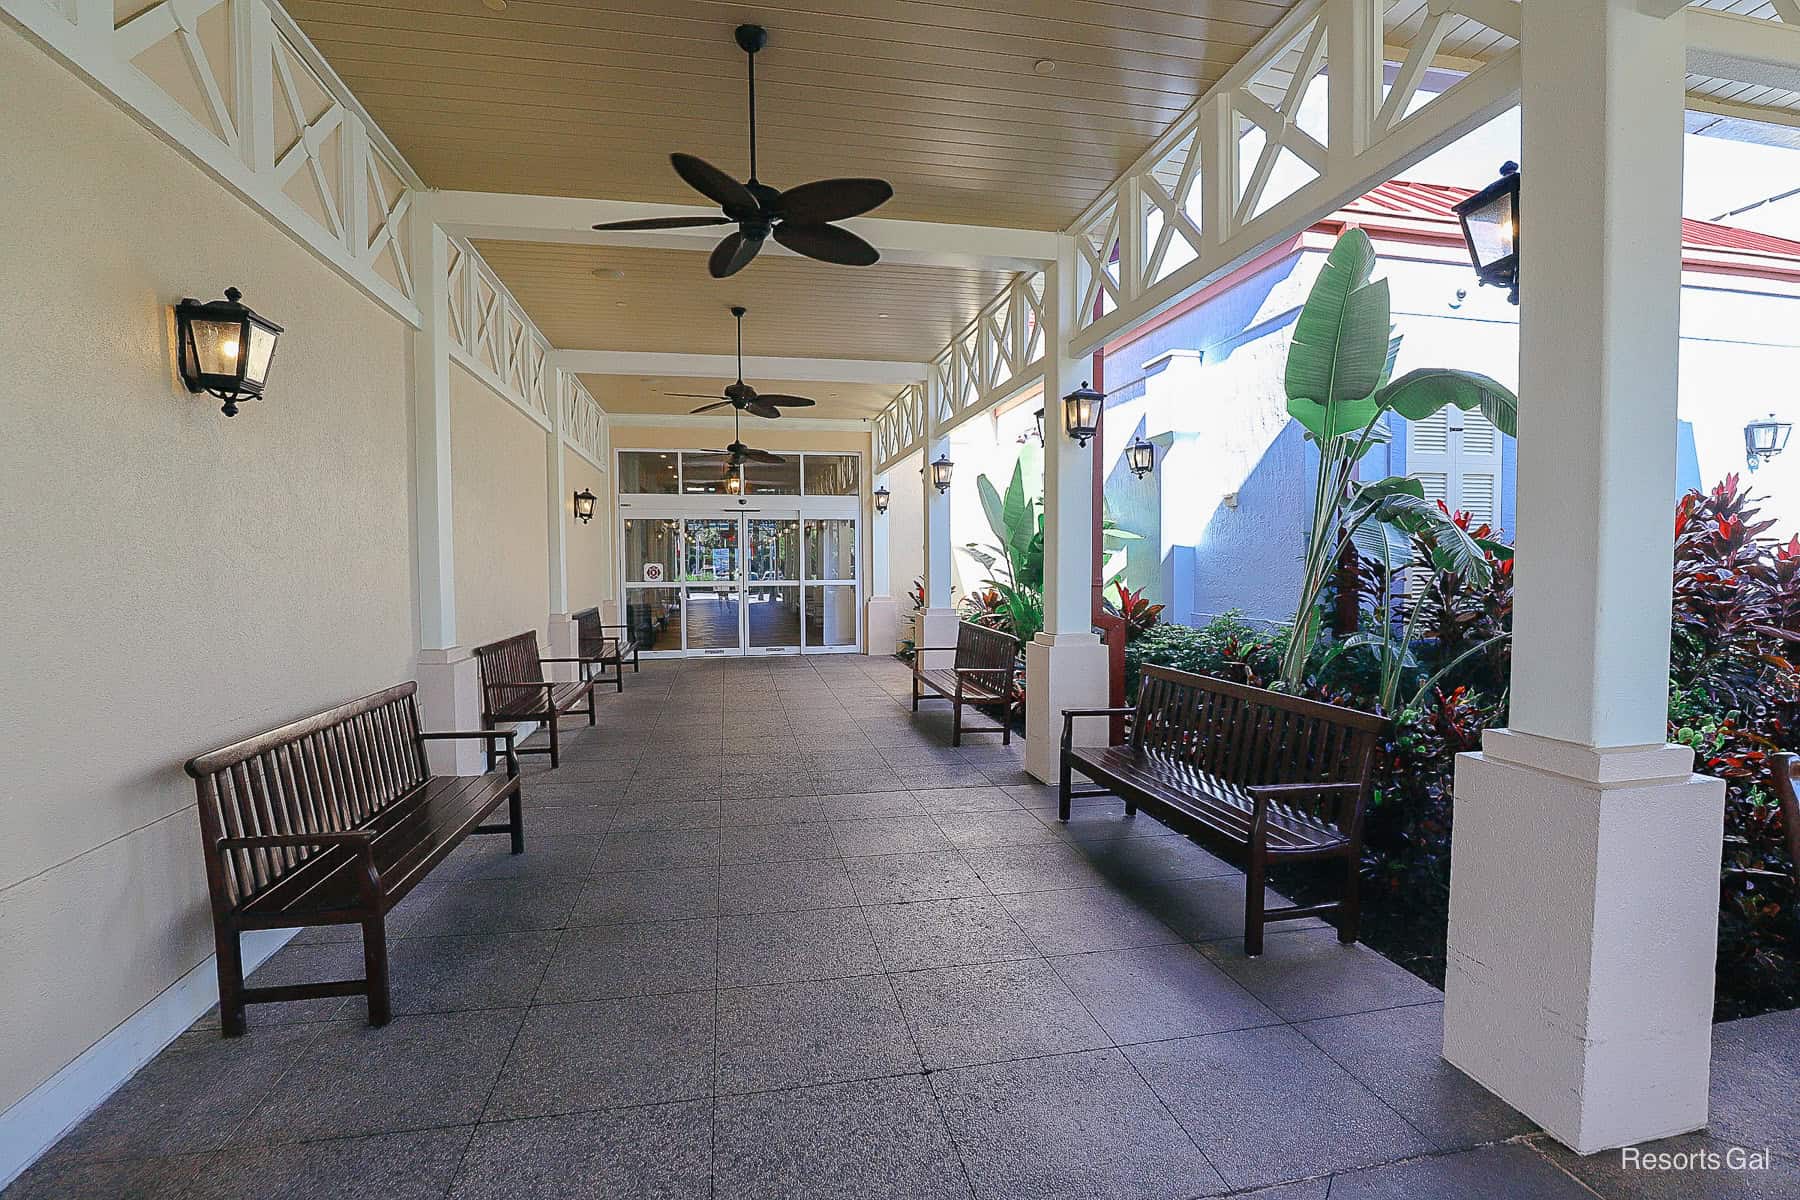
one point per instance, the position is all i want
(576, 659)
(359, 840)
(1263, 793)
(1069, 715)
(509, 736)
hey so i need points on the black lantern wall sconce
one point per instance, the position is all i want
(882, 498)
(1140, 457)
(941, 470)
(1081, 413)
(1765, 439)
(584, 506)
(1490, 225)
(224, 348)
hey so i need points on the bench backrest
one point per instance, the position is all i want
(983, 648)
(588, 634)
(326, 773)
(1249, 735)
(511, 660)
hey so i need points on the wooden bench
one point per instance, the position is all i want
(1786, 769)
(982, 674)
(606, 649)
(332, 820)
(514, 690)
(1258, 775)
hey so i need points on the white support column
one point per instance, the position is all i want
(448, 690)
(1584, 898)
(937, 624)
(1066, 664)
(558, 502)
(882, 615)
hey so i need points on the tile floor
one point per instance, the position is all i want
(773, 937)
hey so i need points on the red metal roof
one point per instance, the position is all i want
(1407, 201)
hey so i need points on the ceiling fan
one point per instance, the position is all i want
(737, 454)
(741, 395)
(798, 218)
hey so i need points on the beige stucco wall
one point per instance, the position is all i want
(502, 538)
(173, 579)
(590, 554)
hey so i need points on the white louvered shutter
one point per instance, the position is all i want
(1456, 457)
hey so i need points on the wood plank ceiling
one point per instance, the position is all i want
(941, 97)
(660, 395)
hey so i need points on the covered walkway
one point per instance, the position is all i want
(789, 944)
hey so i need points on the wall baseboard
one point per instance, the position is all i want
(40, 1118)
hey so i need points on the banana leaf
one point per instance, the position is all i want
(1423, 393)
(1341, 339)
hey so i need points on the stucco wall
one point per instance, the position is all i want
(175, 579)
(502, 543)
(590, 555)
(906, 535)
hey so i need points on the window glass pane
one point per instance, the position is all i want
(712, 549)
(704, 474)
(774, 549)
(650, 549)
(831, 549)
(774, 615)
(831, 616)
(831, 474)
(774, 479)
(712, 615)
(654, 615)
(649, 472)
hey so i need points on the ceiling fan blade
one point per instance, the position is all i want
(780, 401)
(694, 395)
(827, 243)
(762, 409)
(708, 407)
(762, 456)
(733, 255)
(664, 223)
(715, 185)
(833, 200)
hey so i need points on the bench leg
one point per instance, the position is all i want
(915, 693)
(555, 743)
(231, 982)
(1350, 912)
(375, 969)
(516, 809)
(1253, 901)
(1064, 785)
(591, 718)
(956, 723)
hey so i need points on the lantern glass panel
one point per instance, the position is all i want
(216, 345)
(1140, 456)
(262, 349)
(1493, 230)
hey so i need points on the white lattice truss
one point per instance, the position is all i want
(240, 89)
(584, 428)
(491, 335)
(900, 428)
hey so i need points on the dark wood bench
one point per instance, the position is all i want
(1258, 775)
(332, 820)
(607, 649)
(1785, 767)
(514, 690)
(981, 674)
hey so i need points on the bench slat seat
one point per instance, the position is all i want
(410, 838)
(513, 690)
(1255, 775)
(981, 673)
(330, 820)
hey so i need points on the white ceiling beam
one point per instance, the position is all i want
(724, 366)
(1746, 49)
(523, 218)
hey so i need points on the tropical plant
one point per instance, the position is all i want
(1139, 615)
(1340, 388)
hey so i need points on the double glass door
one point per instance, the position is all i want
(741, 583)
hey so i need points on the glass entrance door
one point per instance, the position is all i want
(740, 583)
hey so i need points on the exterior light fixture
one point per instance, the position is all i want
(1081, 413)
(1763, 440)
(1140, 456)
(1039, 415)
(1490, 225)
(584, 506)
(941, 470)
(882, 496)
(224, 348)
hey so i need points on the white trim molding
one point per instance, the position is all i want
(237, 87)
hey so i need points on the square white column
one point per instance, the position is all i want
(881, 614)
(450, 699)
(937, 624)
(1065, 665)
(1584, 883)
